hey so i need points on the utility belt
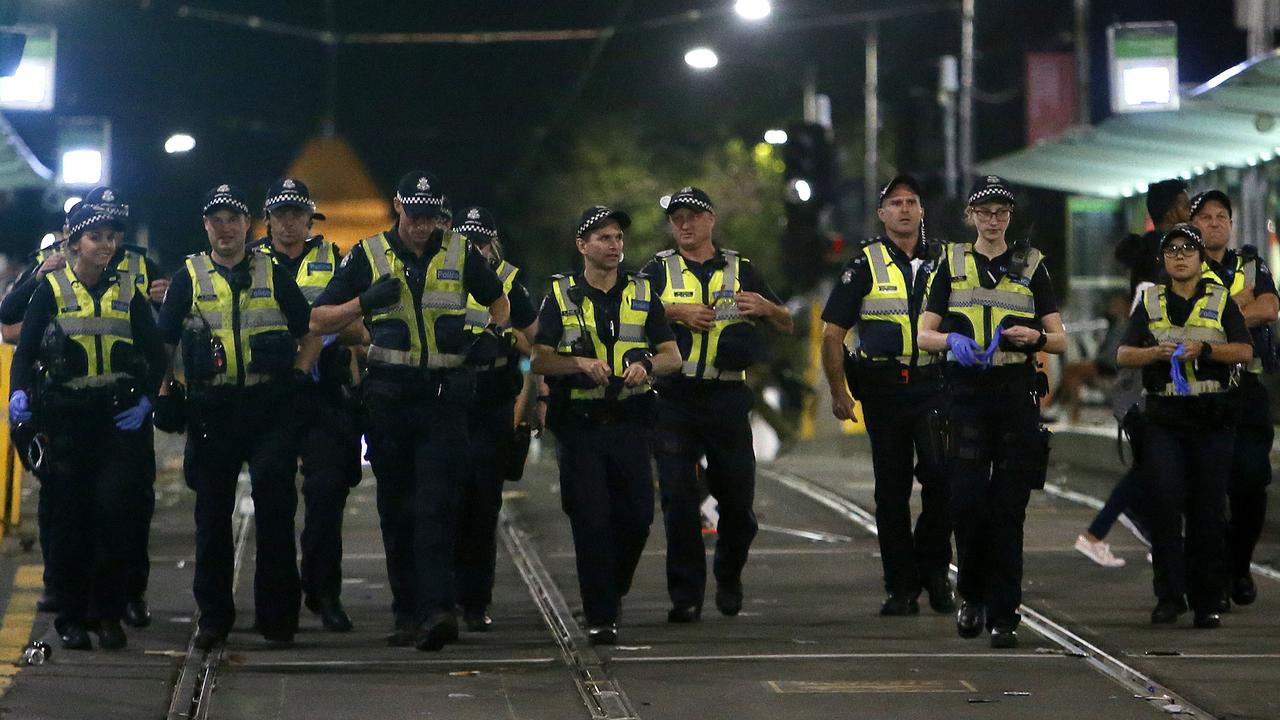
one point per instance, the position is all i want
(1208, 410)
(637, 410)
(981, 379)
(413, 385)
(870, 374)
(62, 405)
(206, 396)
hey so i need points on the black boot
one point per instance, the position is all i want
(941, 597)
(1166, 612)
(137, 613)
(1243, 591)
(971, 619)
(728, 597)
(333, 616)
(476, 619)
(74, 634)
(439, 630)
(899, 605)
(111, 636)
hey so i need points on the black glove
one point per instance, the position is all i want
(385, 291)
(170, 410)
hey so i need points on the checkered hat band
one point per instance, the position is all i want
(290, 197)
(690, 201)
(981, 195)
(593, 220)
(420, 200)
(226, 202)
(97, 217)
(115, 210)
(468, 228)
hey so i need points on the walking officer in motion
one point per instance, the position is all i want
(602, 335)
(1185, 335)
(713, 298)
(882, 293)
(411, 286)
(241, 323)
(991, 307)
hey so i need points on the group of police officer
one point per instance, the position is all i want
(415, 337)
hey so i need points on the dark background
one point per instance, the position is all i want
(492, 120)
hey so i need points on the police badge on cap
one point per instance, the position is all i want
(227, 197)
(693, 198)
(991, 188)
(291, 192)
(420, 193)
(478, 225)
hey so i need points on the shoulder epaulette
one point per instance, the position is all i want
(1248, 252)
(666, 253)
(727, 251)
(559, 276)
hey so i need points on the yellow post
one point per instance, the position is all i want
(10, 467)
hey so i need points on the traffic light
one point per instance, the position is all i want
(810, 166)
(810, 188)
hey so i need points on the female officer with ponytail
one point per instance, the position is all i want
(90, 329)
(992, 308)
(1187, 334)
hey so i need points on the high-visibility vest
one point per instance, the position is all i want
(683, 287)
(133, 262)
(234, 317)
(976, 312)
(1204, 324)
(315, 268)
(579, 321)
(435, 327)
(1245, 275)
(100, 326)
(478, 315)
(889, 300)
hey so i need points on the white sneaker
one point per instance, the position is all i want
(1098, 552)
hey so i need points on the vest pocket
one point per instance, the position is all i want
(391, 334)
(739, 347)
(452, 337)
(880, 339)
(272, 353)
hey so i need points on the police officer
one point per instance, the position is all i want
(330, 447)
(713, 299)
(1250, 284)
(602, 334)
(91, 329)
(411, 285)
(991, 307)
(239, 319)
(491, 419)
(131, 261)
(882, 292)
(1185, 334)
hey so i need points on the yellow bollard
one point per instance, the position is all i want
(11, 482)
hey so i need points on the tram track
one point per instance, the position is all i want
(1157, 695)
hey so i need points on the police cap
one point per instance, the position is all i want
(229, 197)
(478, 225)
(1198, 202)
(693, 198)
(906, 181)
(990, 188)
(421, 193)
(291, 192)
(598, 215)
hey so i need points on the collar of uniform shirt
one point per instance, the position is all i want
(400, 249)
(589, 289)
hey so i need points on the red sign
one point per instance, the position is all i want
(1051, 94)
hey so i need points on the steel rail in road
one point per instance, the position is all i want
(601, 694)
(1127, 676)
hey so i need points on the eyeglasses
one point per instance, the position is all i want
(1184, 250)
(984, 215)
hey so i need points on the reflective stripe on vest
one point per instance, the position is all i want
(1203, 324)
(96, 326)
(580, 320)
(214, 303)
(722, 288)
(888, 300)
(444, 295)
(1245, 275)
(315, 268)
(986, 309)
(477, 314)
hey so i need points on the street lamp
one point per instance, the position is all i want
(775, 137)
(753, 9)
(70, 203)
(701, 58)
(82, 166)
(179, 143)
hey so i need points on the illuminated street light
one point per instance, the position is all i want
(179, 143)
(701, 58)
(753, 9)
(66, 207)
(82, 167)
(48, 240)
(775, 137)
(799, 191)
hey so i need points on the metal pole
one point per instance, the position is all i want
(811, 94)
(1083, 114)
(871, 150)
(947, 85)
(966, 88)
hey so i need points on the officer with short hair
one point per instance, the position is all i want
(491, 419)
(1185, 334)
(241, 323)
(602, 334)
(330, 447)
(882, 292)
(88, 354)
(1250, 284)
(411, 285)
(130, 260)
(992, 308)
(714, 300)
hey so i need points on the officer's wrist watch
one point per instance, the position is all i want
(1206, 351)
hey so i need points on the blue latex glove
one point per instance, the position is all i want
(19, 407)
(964, 348)
(133, 418)
(990, 352)
(1180, 384)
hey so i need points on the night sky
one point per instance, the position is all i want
(489, 119)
